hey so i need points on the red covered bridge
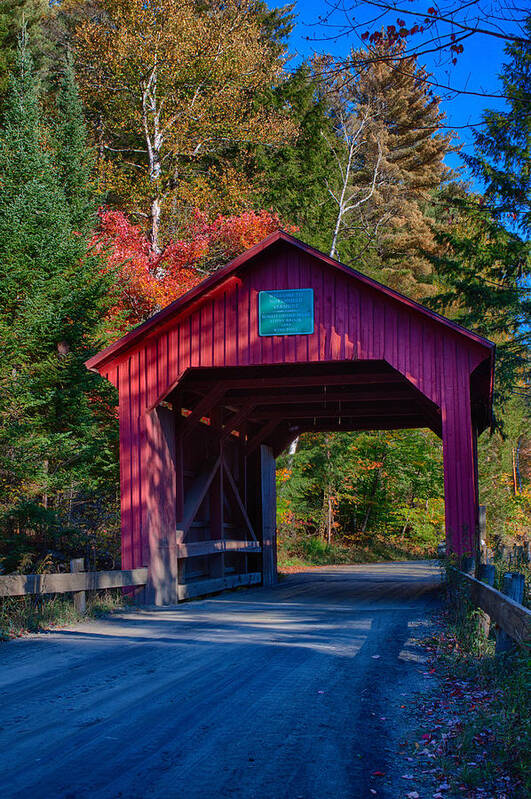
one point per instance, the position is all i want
(280, 341)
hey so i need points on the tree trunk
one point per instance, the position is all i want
(368, 514)
(154, 140)
(45, 494)
(155, 225)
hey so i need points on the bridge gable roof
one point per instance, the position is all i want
(209, 287)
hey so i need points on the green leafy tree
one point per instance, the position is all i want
(505, 474)
(171, 86)
(355, 489)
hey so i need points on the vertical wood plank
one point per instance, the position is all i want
(254, 338)
(136, 502)
(206, 347)
(269, 515)
(459, 481)
(195, 338)
(173, 356)
(161, 501)
(244, 310)
(218, 353)
(231, 311)
(125, 464)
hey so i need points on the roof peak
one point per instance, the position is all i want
(213, 282)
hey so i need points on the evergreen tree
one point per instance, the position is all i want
(75, 161)
(480, 273)
(53, 434)
(294, 176)
(503, 145)
(391, 124)
(33, 14)
(483, 271)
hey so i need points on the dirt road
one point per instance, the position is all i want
(285, 693)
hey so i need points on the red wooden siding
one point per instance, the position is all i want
(354, 320)
(357, 325)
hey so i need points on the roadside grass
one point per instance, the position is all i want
(21, 615)
(482, 709)
(295, 553)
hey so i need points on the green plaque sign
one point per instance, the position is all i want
(285, 312)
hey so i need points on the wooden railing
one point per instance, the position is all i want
(77, 582)
(20, 584)
(510, 616)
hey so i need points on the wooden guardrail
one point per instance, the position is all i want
(20, 584)
(511, 617)
(77, 582)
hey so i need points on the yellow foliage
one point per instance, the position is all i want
(170, 83)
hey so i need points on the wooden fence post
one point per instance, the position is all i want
(486, 573)
(269, 515)
(468, 565)
(80, 601)
(513, 587)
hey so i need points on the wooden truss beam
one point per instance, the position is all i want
(262, 398)
(346, 411)
(195, 495)
(262, 434)
(239, 502)
(204, 406)
(238, 419)
(215, 547)
(369, 423)
(262, 383)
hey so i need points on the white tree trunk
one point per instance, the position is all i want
(154, 140)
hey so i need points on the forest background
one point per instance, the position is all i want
(144, 144)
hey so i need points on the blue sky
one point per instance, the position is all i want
(477, 68)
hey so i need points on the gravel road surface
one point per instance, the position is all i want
(293, 692)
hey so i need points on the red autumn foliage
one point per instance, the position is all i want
(147, 281)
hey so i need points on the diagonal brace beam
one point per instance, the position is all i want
(203, 406)
(239, 502)
(262, 434)
(237, 419)
(196, 495)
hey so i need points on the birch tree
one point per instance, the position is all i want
(171, 83)
(347, 195)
